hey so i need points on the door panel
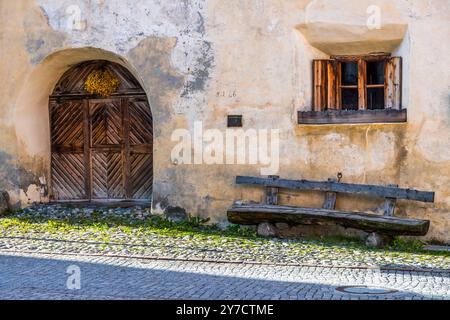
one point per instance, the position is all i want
(67, 161)
(99, 175)
(141, 149)
(67, 123)
(116, 188)
(141, 176)
(68, 173)
(107, 176)
(140, 123)
(107, 149)
(106, 122)
(101, 149)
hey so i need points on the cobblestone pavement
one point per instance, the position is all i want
(87, 231)
(40, 276)
(272, 253)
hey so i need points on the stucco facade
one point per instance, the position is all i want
(201, 60)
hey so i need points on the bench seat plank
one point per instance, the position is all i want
(339, 187)
(251, 214)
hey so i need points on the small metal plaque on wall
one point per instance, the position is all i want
(234, 121)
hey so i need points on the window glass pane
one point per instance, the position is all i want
(350, 99)
(375, 98)
(375, 72)
(349, 73)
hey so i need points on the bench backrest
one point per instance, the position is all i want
(338, 187)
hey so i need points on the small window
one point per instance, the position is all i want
(361, 89)
(375, 72)
(361, 83)
(349, 85)
(349, 98)
(349, 74)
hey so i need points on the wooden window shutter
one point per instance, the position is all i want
(325, 84)
(333, 79)
(320, 84)
(362, 69)
(393, 76)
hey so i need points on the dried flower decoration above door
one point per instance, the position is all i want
(102, 83)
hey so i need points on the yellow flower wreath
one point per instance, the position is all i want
(102, 83)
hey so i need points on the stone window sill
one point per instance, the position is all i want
(352, 116)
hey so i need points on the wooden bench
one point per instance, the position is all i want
(384, 225)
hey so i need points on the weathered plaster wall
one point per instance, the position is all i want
(201, 60)
(341, 27)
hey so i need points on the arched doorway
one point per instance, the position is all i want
(101, 147)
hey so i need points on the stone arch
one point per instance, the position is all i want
(31, 116)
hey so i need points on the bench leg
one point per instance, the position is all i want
(376, 240)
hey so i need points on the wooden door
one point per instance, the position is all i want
(138, 130)
(121, 149)
(102, 149)
(69, 161)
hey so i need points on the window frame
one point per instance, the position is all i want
(362, 84)
(327, 88)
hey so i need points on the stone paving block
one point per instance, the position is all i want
(38, 276)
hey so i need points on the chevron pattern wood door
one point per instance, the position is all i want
(140, 149)
(68, 132)
(102, 149)
(121, 149)
(106, 149)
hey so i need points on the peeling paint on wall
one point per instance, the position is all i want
(199, 77)
(41, 39)
(14, 176)
(23, 185)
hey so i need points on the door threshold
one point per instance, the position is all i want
(103, 203)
